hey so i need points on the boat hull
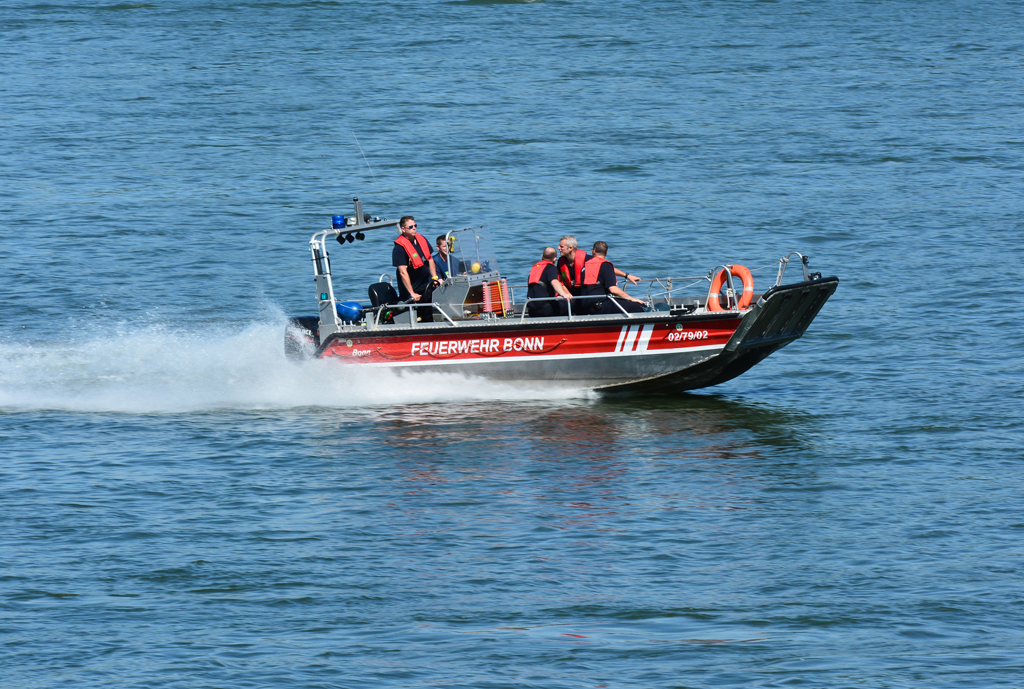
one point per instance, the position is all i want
(647, 352)
(781, 316)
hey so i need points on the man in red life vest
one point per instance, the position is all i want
(544, 284)
(599, 279)
(417, 274)
(570, 270)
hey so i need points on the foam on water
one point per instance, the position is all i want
(165, 370)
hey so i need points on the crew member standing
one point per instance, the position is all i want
(599, 279)
(416, 271)
(544, 284)
(570, 270)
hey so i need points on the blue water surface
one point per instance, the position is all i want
(180, 506)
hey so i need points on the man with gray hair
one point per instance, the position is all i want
(570, 266)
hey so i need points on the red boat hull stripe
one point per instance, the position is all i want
(440, 346)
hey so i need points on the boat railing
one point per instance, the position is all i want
(657, 288)
(568, 304)
(667, 285)
(412, 307)
(665, 288)
(805, 264)
(730, 292)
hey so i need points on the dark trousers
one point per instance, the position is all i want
(607, 307)
(424, 314)
(541, 309)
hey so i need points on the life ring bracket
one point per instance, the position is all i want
(724, 277)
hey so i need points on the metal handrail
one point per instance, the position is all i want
(569, 302)
(784, 261)
(665, 283)
(730, 292)
(669, 287)
(411, 306)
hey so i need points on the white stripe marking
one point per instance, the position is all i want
(627, 346)
(622, 336)
(645, 337)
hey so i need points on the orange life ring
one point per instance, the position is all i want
(748, 288)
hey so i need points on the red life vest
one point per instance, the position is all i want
(537, 269)
(593, 268)
(572, 280)
(414, 258)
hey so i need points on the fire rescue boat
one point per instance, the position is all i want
(682, 341)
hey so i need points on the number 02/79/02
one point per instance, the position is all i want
(687, 335)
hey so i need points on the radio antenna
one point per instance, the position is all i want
(367, 163)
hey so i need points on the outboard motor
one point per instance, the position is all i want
(301, 338)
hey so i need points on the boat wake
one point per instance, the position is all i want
(160, 370)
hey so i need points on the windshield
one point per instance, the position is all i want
(472, 254)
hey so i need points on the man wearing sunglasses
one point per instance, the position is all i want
(417, 274)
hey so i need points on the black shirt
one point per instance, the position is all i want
(537, 290)
(419, 277)
(605, 279)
